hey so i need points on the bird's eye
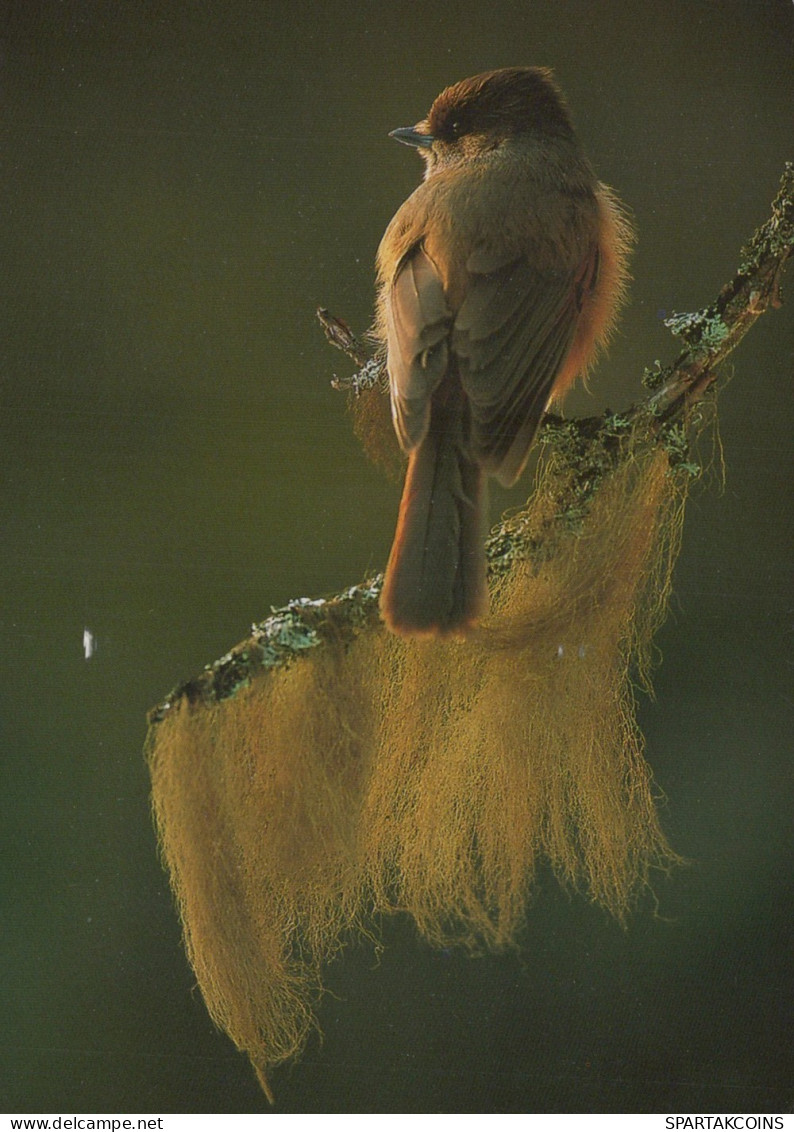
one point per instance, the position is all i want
(456, 128)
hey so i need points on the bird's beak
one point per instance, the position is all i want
(412, 135)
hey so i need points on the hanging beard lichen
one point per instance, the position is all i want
(374, 774)
(324, 772)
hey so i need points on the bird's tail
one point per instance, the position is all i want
(435, 579)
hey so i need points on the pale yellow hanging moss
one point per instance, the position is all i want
(376, 775)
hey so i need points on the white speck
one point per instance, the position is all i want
(560, 651)
(89, 643)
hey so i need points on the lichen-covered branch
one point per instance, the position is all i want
(589, 447)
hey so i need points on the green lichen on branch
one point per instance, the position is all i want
(775, 238)
(713, 332)
(704, 328)
(586, 451)
(302, 624)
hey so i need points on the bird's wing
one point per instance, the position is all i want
(511, 336)
(418, 323)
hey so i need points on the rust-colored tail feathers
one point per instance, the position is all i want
(435, 579)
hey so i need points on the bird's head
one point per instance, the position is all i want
(477, 115)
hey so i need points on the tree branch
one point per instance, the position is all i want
(590, 446)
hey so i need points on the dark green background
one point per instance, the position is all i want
(183, 183)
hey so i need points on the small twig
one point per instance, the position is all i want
(372, 367)
(340, 335)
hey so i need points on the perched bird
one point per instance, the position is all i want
(498, 279)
